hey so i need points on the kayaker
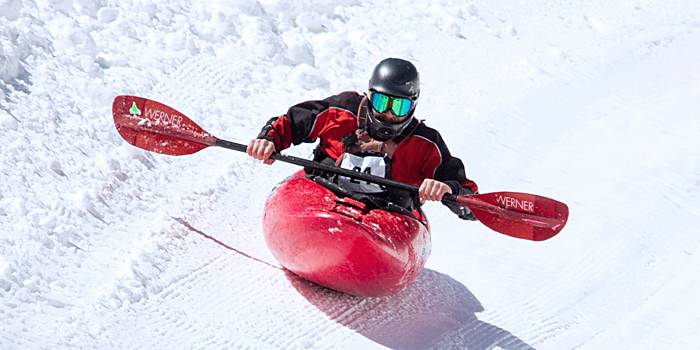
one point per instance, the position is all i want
(376, 132)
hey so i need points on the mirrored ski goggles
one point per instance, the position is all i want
(381, 103)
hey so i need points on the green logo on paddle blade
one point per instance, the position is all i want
(134, 110)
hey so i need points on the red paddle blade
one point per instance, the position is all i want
(519, 215)
(155, 127)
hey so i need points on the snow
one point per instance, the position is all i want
(104, 246)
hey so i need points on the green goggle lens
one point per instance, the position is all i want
(400, 106)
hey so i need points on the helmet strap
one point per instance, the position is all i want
(407, 135)
(362, 117)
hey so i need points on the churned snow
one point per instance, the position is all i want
(106, 246)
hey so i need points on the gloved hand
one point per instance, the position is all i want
(463, 212)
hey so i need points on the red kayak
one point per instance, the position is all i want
(341, 244)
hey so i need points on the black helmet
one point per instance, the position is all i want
(397, 78)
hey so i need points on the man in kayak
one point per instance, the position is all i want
(375, 133)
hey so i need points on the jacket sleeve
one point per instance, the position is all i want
(451, 171)
(307, 121)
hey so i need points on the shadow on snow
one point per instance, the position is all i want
(434, 312)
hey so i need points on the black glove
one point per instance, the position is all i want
(462, 212)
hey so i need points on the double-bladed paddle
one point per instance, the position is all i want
(155, 127)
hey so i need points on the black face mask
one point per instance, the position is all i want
(382, 131)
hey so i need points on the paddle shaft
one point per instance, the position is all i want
(448, 197)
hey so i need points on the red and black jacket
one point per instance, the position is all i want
(421, 152)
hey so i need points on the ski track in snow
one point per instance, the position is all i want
(620, 90)
(109, 247)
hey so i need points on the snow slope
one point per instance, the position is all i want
(106, 246)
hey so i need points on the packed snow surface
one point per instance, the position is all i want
(106, 246)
